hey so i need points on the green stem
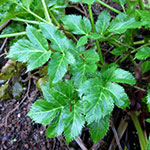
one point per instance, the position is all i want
(124, 10)
(53, 18)
(27, 21)
(141, 4)
(91, 18)
(94, 30)
(46, 11)
(133, 61)
(32, 13)
(109, 7)
(137, 125)
(138, 42)
(12, 35)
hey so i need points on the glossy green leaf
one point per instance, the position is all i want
(59, 42)
(91, 56)
(58, 65)
(56, 127)
(98, 129)
(145, 66)
(62, 93)
(77, 24)
(123, 22)
(82, 41)
(119, 95)
(122, 76)
(74, 121)
(143, 53)
(34, 52)
(99, 96)
(98, 101)
(62, 110)
(36, 38)
(118, 75)
(44, 112)
(82, 67)
(103, 22)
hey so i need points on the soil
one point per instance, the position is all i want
(19, 132)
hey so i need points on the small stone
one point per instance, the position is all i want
(41, 132)
(19, 115)
(26, 146)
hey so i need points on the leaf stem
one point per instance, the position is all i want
(138, 42)
(137, 125)
(12, 34)
(53, 18)
(141, 4)
(27, 21)
(94, 30)
(32, 13)
(46, 11)
(109, 7)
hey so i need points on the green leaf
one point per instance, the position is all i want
(36, 38)
(43, 111)
(56, 127)
(77, 24)
(62, 93)
(58, 65)
(123, 22)
(82, 41)
(91, 56)
(118, 51)
(61, 108)
(82, 67)
(59, 42)
(79, 71)
(103, 22)
(74, 121)
(99, 96)
(119, 95)
(11, 15)
(95, 36)
(99, 129)
(122, 76)
(34, 52)
(145, 66)
(13, 28)
(98, 102)
(121, 2)
(143, 53)
(118, 75)
(26, 3)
